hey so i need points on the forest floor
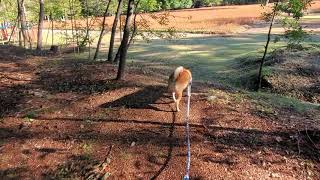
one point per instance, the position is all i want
(63, 117)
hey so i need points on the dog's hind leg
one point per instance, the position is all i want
(174, 97)
(179, 96)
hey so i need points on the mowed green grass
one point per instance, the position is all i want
(209, 58)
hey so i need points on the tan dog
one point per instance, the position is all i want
(178, 81)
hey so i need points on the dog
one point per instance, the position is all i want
(178, 81)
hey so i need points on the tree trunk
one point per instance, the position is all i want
(102, 32)
(117, 57)
(266, 48)
(65, 26)
(52, 36)
(77, 34)
(48, 31)
(124, 42)
(26, 32)
(87, 38)
(75, 25)
(13, 29)
(20, 32)
(22, 19)
(72, 28)
(40, 26)
(113, 31)
(134, 31)
(133, 34)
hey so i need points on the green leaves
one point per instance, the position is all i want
(148, 5)
(8, 9)
(290, 12)
(291, 23)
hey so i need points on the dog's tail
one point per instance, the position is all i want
(177, 72)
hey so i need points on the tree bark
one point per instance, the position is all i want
(13, 29)
(22, 19)
(102, 31)
(124, 42)
(266, 47)
(65, 26)
(133, 34)
(72, 28)
(40, 25)
(52, 36)
(113, 31)
(87, 37)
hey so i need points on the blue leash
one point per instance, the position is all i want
(186, 177)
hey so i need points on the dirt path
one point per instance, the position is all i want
(68, 119)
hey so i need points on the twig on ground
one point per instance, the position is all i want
(314, 144)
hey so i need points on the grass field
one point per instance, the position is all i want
(220, 19)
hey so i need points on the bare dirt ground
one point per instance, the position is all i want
(66, 118)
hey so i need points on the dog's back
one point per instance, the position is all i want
(178, 81)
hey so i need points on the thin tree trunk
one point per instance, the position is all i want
(102, 32)
(65, 26)
(75, 26)
(266, 47)
(29, 39)
(117, 57)
(134, 31)
(72, 29)
(22, 19)
(113, 31)
(124, 42)
(77, 35)
(76, 29)
(52, 35)
(120, 28)
(133, 34)
(14, 28)
(88, 29)
(20, 32)
(12, 32)
(48, 31)
(40, 26)
(24, 16)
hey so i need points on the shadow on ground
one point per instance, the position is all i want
(142, 99)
